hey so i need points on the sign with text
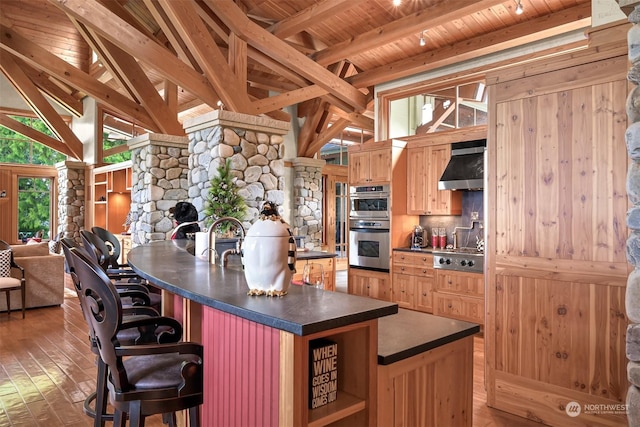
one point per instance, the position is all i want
(323, 372)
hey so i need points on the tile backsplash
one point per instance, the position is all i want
(472, 201)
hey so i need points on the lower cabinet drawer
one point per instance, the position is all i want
(459, 307)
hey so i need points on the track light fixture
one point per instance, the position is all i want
(519, 8)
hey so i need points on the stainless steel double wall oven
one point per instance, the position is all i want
(369, 227)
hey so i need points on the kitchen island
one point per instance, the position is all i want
(257, 349)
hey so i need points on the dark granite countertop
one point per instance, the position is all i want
(409, 333)
(302, 255)
(304, 310)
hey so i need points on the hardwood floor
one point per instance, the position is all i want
(47, 370)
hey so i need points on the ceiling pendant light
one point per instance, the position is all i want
(422, 41)
(519, 8)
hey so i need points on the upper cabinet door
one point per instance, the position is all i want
(370, 167)
(424, 168)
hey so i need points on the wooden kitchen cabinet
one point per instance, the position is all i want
(367, 283)
(328, 265)
(413, 280)
(370, 167)
(425, 165)
(460, 295)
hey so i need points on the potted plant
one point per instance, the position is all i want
(223, 200)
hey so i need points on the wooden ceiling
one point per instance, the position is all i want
(161, 61)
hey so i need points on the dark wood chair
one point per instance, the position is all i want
(113, 245)
(132, 292)
(134, 331)
(7, 282)
(144, 379)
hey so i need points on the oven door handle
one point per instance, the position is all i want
(370, 230)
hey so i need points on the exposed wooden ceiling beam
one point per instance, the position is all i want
(429, 17)
(327, 135)
(39, 104)
(357, 119)
(277, 102)
(31, 133)
(570, 19)
(202, 45)
(171, 34)
(139, 84)
(41, 59)
(272, 46)
(54, 89)
(129, 39)
(310, 16)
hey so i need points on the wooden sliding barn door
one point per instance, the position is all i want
(557, 267)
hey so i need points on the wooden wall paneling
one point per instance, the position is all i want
(6, 211)
(556, 264)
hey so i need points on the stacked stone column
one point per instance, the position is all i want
(307, 201)
(632, 298)
(255, 147)
(71, 199)
(160, 179)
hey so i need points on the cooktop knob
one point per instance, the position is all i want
(463, 263)
(471, 263)
(441, 261)
(448, 261)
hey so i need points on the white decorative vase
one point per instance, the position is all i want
(269, 257)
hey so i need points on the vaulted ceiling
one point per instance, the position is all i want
(162, 61)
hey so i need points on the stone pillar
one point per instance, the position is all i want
(632, 136)
(160, 169)
(254, 144)
(307, 201)
(71, 199)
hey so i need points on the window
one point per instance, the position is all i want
(18, 149)
(427, 110)
(34, 206)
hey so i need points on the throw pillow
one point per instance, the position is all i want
(5, 263)
(54, 246)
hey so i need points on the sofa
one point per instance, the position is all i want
(44, 274)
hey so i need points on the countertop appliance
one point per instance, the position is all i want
(468, 260)
(465, 170)
(369, 243)
(417, 238)
(371, 202)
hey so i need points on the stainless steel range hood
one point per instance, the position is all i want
(465, 170)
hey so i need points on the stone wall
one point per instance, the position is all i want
(308, 201)
(71, 199)
(255, 147)
(632, 298)
(160, 170)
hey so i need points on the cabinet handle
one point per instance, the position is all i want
(402, 268)
(450, 282)
(424, 259)
(424, 294)
(424, 271)
(450, 305)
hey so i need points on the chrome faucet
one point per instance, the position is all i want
(455, 231)
(212, 241)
